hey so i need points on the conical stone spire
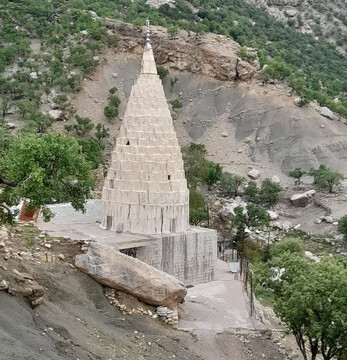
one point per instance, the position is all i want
(145, 191)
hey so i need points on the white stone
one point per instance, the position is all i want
(254, 174)
(225, 134)
(297, 101)
(55, 114)
(84, 32)
(328, 219)
(286, 226)
(96, 58)
(290, 12)
(327, 113)
(302, 200)
(276, 179)
(11, 125)
(312, 257)
(93, 14)
(273, 215)
(3, 285)
(33, 75)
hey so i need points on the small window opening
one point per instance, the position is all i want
(169, 177)
(111, 184)
(128, 142)
(109, 222)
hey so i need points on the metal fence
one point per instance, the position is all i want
(246, 276)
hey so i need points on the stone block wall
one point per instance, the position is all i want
(189, 256)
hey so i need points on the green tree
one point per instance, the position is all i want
(342, 227)
(231, 183)
(39, 122)
(213, 173)
(326, 179)
(62, 100)
(114, 99)
(252, 217)
(25, 106)
(269, 193)
(194, 163)
(92, 150)
(197, 207)
(44, 170)
(5, 105)
(110, 112)
(101, 132)
(83, 125)
(297, 174)
(314, 307)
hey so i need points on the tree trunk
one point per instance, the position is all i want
(8, 182)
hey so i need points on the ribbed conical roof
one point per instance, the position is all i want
(145, 191)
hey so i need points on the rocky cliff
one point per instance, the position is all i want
(212, 55)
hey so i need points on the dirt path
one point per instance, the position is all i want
(219, 305)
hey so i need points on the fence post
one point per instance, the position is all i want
(251, 297)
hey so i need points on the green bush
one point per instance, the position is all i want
(176, 104)
(162, 72)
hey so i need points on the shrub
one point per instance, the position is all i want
(162, 72)
(176, 104)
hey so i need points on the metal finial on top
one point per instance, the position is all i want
(148, 40)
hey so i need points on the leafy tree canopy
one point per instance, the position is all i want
(44, 170)
(326, 179)
(213, 174)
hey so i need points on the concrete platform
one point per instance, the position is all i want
(68, 222)
(190, 256)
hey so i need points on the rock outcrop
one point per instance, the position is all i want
(121, 272)
(209, 54)
(302, 200)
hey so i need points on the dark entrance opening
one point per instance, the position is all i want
(109, 222)
(130, 252)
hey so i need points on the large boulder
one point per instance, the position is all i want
(327, 113)
(121, 272)
(302, 200)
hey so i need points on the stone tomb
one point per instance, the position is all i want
(189, 256)
(144, 211)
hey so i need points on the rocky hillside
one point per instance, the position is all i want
(323, 19)
(243, 124)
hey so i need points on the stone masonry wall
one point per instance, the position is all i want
(189, 256)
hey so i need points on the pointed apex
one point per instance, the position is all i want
(148, 41)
